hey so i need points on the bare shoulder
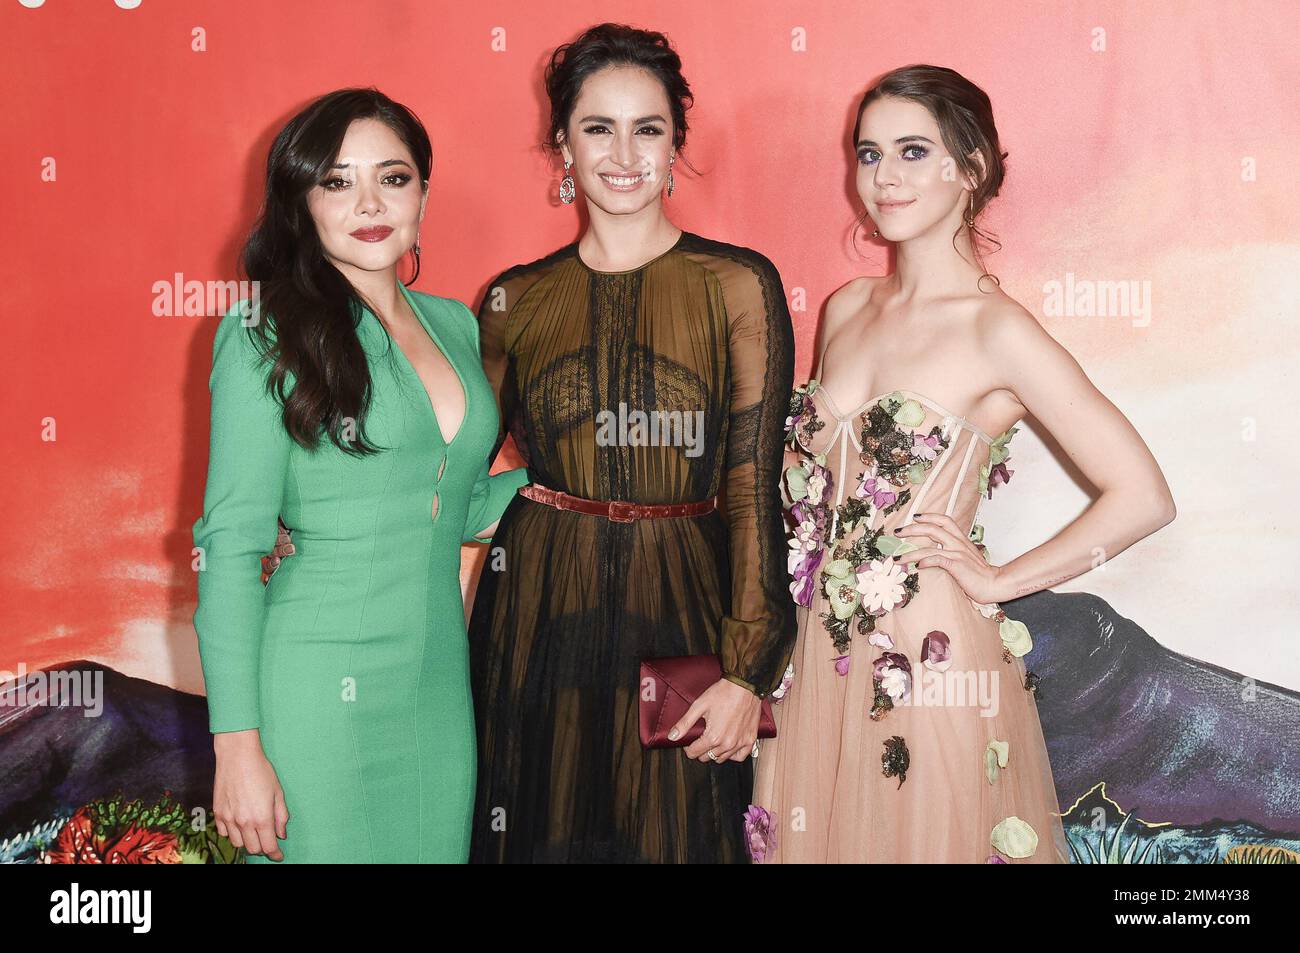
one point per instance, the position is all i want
(849, 301)
(852, 295)
(1027, 362)
(1004, 327)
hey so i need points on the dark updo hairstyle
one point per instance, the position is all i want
(965, 118)
(310, 311)
(613, 44)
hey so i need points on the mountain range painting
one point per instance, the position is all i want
(1157, 757)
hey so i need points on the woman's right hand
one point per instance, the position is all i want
(247, 800)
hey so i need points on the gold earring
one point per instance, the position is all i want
(670, 174)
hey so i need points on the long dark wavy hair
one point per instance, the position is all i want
(309, 310)
(965, 118)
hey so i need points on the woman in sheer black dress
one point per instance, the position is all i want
(635, 316)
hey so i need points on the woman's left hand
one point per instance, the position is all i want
(730, 714)
(283, 547)
(945, 546)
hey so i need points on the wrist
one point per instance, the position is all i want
(737, 680)
(1006, 583)
(244, 739)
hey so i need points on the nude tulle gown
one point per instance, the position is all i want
(969, 781)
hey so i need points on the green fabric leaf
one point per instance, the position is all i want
(1014, 837)
(1015, 636)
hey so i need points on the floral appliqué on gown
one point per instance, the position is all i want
(907, 727)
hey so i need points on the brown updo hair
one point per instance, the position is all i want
(614, 44)
(965, 118)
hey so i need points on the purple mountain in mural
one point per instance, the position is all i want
(147, 738)
(1175, 739)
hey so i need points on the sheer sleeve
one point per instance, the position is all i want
(247, 461)
(492, 492)
(493, 317)
(758, 635)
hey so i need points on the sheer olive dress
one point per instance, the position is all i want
(568, 603)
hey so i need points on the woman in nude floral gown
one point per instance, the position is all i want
(907, 726)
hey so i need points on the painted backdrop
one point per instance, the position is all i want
(1149, 220)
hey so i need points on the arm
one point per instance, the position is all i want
(247, 461)
(759, 633)
(491, 495)
(1134, 501)
(493, 492)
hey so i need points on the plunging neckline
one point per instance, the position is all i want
(410, 368)
(934, 405)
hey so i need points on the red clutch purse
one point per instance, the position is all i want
(668, 687)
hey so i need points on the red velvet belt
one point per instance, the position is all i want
(620, 511)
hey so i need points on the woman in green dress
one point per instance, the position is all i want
(357, 411)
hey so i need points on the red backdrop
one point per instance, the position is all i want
(135, 141)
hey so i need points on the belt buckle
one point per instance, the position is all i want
(614, 506)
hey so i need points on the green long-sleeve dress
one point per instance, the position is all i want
(352, 661)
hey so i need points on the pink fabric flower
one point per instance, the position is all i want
(805, 579)
(786, 681)
(998, 476)
(875, 489)
(760, 833)
(880, 639)
(894, 672)
(925, 447)
(881, 583)
(936, 651)
(841, 664)
(804, 559)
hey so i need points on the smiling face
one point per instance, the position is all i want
(906, 177)
(620, 139)
(370, 204)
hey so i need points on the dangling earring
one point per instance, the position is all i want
(970, 214)
(416, 250)
(567, 190)
(670, 174)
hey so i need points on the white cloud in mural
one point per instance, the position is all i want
(162, 650)
(1219, 582)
